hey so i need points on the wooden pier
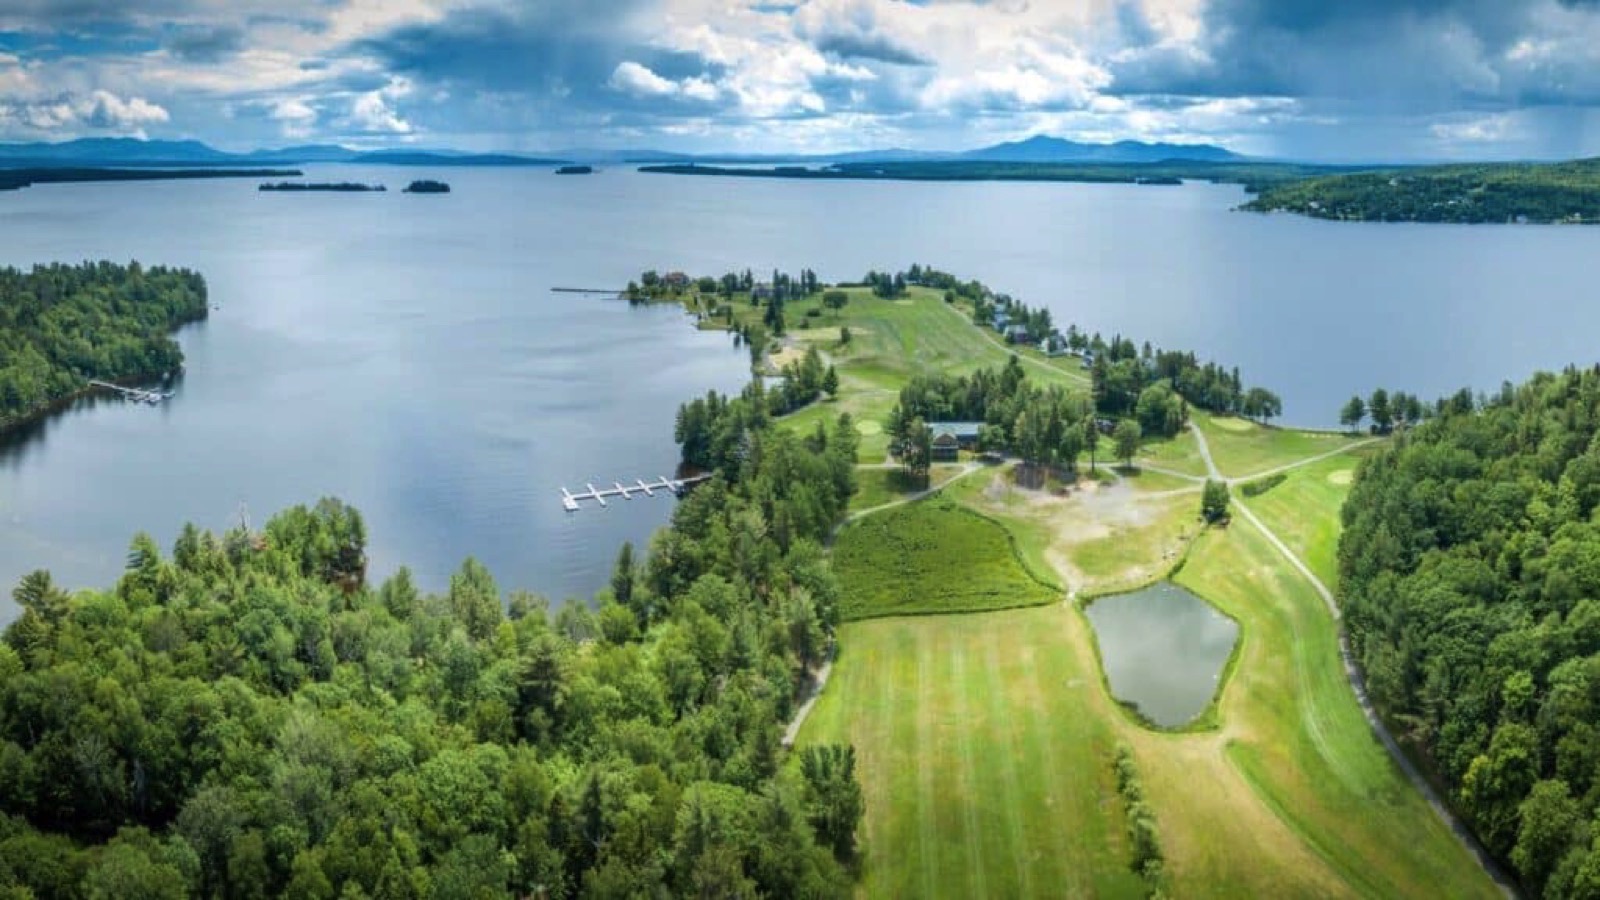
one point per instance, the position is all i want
(675, 486)
(137, 395)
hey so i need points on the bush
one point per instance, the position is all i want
(1262, 485)
(1214, 502)
(1144, 833)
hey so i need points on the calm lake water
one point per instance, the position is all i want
(1163, 649)
(406, 354)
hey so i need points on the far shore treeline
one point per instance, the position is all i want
(16, 179)
(62, 325)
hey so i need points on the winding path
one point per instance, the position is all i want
(1352, 672)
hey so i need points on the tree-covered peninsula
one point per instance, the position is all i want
(248, 716)
(1566, 192)
(62, 325)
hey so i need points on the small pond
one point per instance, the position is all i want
(1164, 650)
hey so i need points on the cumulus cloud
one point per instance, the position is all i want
(633, 78)
(1285, 77)
(98, 110)
(373, 112)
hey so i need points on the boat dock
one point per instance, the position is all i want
(137, 395)
(675, 486)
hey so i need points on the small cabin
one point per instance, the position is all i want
(950, 438)
(1017, 334)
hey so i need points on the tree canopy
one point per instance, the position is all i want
(248, 717)
(1470, 569)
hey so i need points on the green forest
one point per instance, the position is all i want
(247, 716)
(1477, 193)
(1470, 566)
(62, 325)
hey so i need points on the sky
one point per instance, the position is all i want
(1350, 80)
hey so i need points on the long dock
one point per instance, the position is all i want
(675, 486)
(137, 395)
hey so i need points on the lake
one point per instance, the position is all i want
(1163, 650)
(406, 354)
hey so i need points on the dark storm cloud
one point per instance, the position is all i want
(549, 43)
(552, 62)
(1394, 54)
(877, 48)
(206, 44)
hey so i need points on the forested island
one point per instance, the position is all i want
(16, 179)
(426, 186)
(353, 187)
(1474, 193)
(1471, 578)
(575, 170)
(62, 325)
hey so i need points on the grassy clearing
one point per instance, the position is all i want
(1102, 538)
(932, 556)
(878, 487)
(1243, 449)
(1297, 741)
(1180, 454)
(1149, 481)
(1304, 512)
(984, 776)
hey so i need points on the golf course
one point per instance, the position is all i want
(969, 678)
(986, 738)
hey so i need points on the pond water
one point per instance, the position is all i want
(1163, 649)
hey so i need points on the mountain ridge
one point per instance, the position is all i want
(123, 151)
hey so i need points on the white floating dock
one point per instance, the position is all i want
(676, 486)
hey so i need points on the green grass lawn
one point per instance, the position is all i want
(1303, 512)
(1243, 449)
(932, 556)
(879, 487)
(984, 777)
(1180, 454)
(1298, 741)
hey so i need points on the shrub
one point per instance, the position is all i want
(1262, 485)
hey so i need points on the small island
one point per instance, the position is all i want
(426, 186)
(348, 187)
(575, 170)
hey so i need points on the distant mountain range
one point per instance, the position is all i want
(134, 152)
(1044, 149)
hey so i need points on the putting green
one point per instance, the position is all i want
(1342, 477)
(869, 427)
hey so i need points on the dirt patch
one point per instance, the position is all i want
(789, 354)
(1342, 477)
